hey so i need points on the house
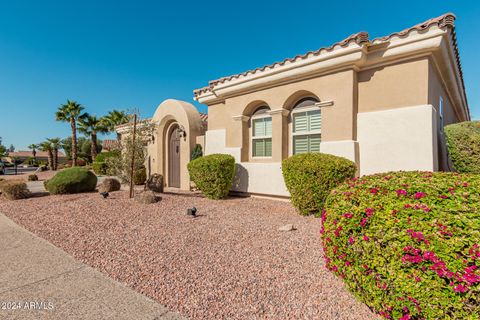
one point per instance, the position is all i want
(381, 103)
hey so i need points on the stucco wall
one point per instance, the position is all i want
(393, 86)
(398, 139)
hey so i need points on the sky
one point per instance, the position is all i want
(135, 54)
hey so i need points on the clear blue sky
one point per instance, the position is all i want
(123, 54)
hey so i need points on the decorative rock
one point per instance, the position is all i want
(146, 197)
(155, 183)
(287, 227)
(109, 185)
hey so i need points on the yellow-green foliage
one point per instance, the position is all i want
(463, 142)
(213, 174)
(407, 244)
(310, 177)
(72, 180)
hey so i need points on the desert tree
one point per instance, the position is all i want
(90, 125)
(71, 112)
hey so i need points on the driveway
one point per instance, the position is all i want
(40, 281)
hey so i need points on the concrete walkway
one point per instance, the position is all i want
(42, 282)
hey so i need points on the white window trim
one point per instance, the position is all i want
(303, 133)
(252, 138)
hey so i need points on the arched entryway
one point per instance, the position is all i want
(174, 157)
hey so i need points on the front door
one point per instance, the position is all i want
(174, 161)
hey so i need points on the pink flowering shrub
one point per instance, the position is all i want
(407, 244)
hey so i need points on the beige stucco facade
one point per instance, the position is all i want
(379, 102)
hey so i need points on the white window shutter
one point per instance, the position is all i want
(315, 120)
(314, 143)
(268, 126)
(300, 144)
(300, 122)
(268, 147)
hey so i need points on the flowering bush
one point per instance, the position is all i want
(310, 177)
(408, 243)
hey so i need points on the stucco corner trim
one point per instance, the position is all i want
(241, 118)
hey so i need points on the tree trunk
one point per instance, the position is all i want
(93, 149)
(55, 159)
(50, 160)
(74, 142)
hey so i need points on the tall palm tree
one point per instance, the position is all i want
(91, 125)
(115, 118)
(47, 146)
(55, 145)
(34, 148)
(71, 112)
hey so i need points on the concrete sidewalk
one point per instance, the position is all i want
(42, 282)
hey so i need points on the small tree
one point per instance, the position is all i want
(122, 166)
(3, 149)
(197, 152)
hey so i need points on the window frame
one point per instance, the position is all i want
(294, 134)
(253, 138)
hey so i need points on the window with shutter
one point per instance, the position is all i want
(306, 129)
(262, 136)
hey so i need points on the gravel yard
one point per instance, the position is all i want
(231, 262)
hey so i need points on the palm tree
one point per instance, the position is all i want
(47, 146)
(34, 148)
(71, 112)
(115, 118)
(55, 145)
(90, 126)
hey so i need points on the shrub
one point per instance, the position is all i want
(408, 243)
(463, 143)
(109, 185)
(102, 156)
(197, 152)
(15, 190)
(100, 168)
(45, 182)
(32, 177)
(140, 176)
(213, 174)
(310, 177)
(80, 163)
(72, 180)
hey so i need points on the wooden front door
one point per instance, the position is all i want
(174, 161)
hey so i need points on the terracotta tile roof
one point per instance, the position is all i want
(203, 117)
(26, 154)
(447, 20)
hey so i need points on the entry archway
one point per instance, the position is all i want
(174, 157)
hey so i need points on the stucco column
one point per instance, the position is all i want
(279, 134)
(241, 135)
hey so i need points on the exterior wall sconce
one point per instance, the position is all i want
(180, 132)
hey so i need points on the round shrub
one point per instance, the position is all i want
(463, 143)
(310, 177)
(100, 168)
(408, 243)
(72, 180)
(213, 174)
(140, 176)
(32, 177)
(15, 190)
(109, 185)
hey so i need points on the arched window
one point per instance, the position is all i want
(261, 133)
(306, 126)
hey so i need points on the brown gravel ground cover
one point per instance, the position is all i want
(231, 262)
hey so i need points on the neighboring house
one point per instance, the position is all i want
(109, 145)
(40, 156)
(381, 103)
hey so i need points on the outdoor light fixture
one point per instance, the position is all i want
(180, 132)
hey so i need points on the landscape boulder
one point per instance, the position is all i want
(146, 197)
(155, 183)
(109, 185)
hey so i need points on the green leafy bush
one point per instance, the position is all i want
(140, 176)
(310, 177)
(102, 156)
(408, 243)
(15, 190)
(213, 174)
(99, 168)
(463, 142)
(32, 177)
(72, 180)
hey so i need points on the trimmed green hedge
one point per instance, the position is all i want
(72, 180)
(102, 156)
(310, 177)
(463, 142)
(213, 174)
(407, 244)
